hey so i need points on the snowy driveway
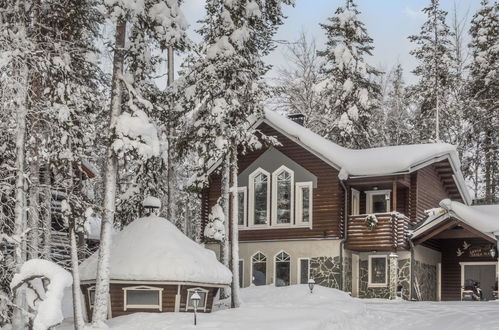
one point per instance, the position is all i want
(294, 308)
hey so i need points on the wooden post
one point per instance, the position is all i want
(394, 196)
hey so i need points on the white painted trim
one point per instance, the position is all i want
(251, 200)
(355, 275)
(177, 299)
(90, 301)
(274, 197)
(377, 285)
(143, 288)
(369, 199)
(439, 281)
(298, 277)
(210, 285)
(244, 190)
(251, 268)
(187, 308)
(275, 266)
(299, 204)
(355, 202)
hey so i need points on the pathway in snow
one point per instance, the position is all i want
(294, 308)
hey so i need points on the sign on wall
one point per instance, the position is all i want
(476, 251)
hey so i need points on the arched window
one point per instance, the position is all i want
(259, 269)
(259, 183)
(282, 269)
(283, 192)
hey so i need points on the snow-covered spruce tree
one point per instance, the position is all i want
(349, 89)
(396, 105)
(433, 119)
(483, 114)
(296, 85)
(223, 92)
(132, 136)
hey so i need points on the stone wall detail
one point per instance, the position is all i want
(347, 269)
(425, 281)
(364, 290)
(326, 271)
(405, 277)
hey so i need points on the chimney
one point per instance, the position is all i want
(297, 118)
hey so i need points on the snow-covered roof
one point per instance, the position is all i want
(484, 218)
(153, 249)
(373, 161)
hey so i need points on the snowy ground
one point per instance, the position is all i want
(294, 308)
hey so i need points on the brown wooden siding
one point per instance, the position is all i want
(327, 197)
(451, 270)
(168, 298)
(389, 235)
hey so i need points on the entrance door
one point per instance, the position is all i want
(485, 275)
(355, 275)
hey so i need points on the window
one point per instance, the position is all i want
(144, 297)
(304, 203)
(282, 269)
(259, 201)
(378, 201)
(203, 293)
(282, 192)
(91, 296)
(241, 273)
(259, 269)
(377, 271)
(241, 206)
(304, 270)
(355, 202)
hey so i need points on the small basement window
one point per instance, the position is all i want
(378, 271)
(143, 297)
(203, 293)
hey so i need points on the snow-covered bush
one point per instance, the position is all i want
(45, 283)
(215, 228)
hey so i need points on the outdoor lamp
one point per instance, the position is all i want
(195, 302)
(311, 284)
(492, 252)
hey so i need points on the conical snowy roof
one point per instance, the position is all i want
(153, 249)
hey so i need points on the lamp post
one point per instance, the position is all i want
(195, 302)
(311, 284)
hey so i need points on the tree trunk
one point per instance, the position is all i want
(47, 213)
(34, 208)
(111, 169)
(77, 305)
(18, 321)
(225, 202)
(234, 229)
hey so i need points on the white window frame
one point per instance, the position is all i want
(252, 262)
(251, 199)
(299, 203)
(188, 308)
(244, 190)
(377, 285)
(90, 301)
(369, 199)
(126, 306)
(355, 207)
(274, 197)
(298, 277)
(275, 266)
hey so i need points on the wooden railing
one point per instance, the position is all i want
(389, 234)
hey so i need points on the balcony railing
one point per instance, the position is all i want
(389, 234)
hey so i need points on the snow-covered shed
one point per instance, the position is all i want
(154, 267)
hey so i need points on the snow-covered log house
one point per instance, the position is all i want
(364, 221)
(154, 267)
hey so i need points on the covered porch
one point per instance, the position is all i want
(468, 249)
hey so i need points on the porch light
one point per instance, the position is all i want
(311, 284)
(195, 298)
(493, 252)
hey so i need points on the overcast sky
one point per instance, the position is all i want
(388, 22)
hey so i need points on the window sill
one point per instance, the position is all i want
(143, 307)
(376, 285)
(309, 226)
